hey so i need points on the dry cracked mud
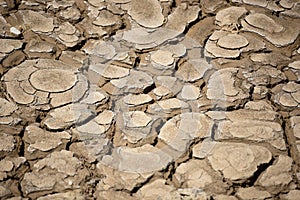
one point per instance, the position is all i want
(150, 99)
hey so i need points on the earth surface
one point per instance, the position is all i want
(149, 99)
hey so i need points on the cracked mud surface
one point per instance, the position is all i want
(149, 99)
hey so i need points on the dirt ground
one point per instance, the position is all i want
(149, 99)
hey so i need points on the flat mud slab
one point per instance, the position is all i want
(149, 99)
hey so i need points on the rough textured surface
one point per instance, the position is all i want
(149, 99)
(278, 174)
(147, 13)
(242, 160)
(252, 193)
(65, 174)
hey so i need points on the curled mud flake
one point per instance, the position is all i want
(92, 30)
(63, 161)
(37, 21)
(279, 174)
(168, 106)
(11, 164)
(230, 16)
(161, 92)
(8, 45)
(96, 3)
(36, 47)
(60, 5)
(60, 99)
(182, 129)
(95, 98)
(9, 120)
(112, 194)
(121, 1)
(6, 165)
(255, 44)
(144, 39)
(287, 3)
(144, 159)
(137, 127)
(280, 32)
(139, 99)
(7, 107)
(14, 59)
(260, 131)
(223, 197)
(53, 80)
(232, 41)
(190, 92)
(296, 96)
(35, 183)
(263, 76)
(54, 64)
(261, 105)
(168, 82)
(210, 6)
(38, 139)
(120, 179)
(287, 95)
(217, 35)
(295, 64)
(273, 59)
(67, 34)
(91, 128)
(223, 44)
(166, 86)
(291, 87)
(202, 149)
(106, 18)
(147, 13)
(136, 119)
(182, 16)
(68, 39)
(70, 13)
(105, 117)
(67, 28)
(7, 144)
(76, 59)
(291, 195)
(294, 12)
(261, 3)
(70, 96)
(18, 94)
(74, 194)
(99, 49)
(221, 86)
(161, 57)
(239, 115)
(145, 111)
(241, 160)
(66, 116)
(178, 50)
(139, 36)
(193, 174)
(252, 193)
(286, 99)
(264, 22)
(58, 172)
(3, 26)
(137, 81)
(192, 70)
(212, 50)
(158, 189)
(111, 71)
